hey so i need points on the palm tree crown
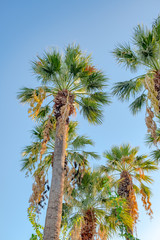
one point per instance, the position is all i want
(91, 211)
(130, 173)
(69, 74)
(145, 88)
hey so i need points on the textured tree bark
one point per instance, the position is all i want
(88, 226)
(124, 191)
(54, 210)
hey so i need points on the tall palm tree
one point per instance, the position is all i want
(145, 89)
(129, 171)
(67, 82)
(92, 210)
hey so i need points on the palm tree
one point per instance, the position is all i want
(129, 171)
(92, 210)
(145, 89)
(68, 82)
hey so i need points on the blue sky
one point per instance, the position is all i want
(27, 28)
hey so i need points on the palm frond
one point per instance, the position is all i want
(43, 112)
(32, 149)
(28, 163)
(100, 97)
(137, 105)
(148, 165)
(144, 178)
(126, 56)
(136, 189)
(146, 45)
(156, 28)
(75, 60)
(93, 155)
(146, 190)
(155, 155)
(149, 140)
(48, 66)
(124, 90)
(95, 81)
(81, 142)
(72, 131)
(25, 94)
(91, 110)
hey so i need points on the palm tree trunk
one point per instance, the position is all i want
(124, 190)
(88, 226)
(54, 210)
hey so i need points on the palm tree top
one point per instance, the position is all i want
(72, 72)
(125, 158)
(129, 175)
(143, 52)
(93, 196)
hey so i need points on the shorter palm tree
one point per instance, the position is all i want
(91, 210)
(129, 171)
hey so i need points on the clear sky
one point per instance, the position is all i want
(27, 28)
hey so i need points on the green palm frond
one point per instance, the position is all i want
(25, 94)
(81, 142)
(144, 178)
(124, 90)
(32, 149)
(27, 164)
(137, 105)
(43, 112)
(148, 165)
(100, 97)
(91, 110)
(75, 60)
(104, 169)
(127, 150)
(47, 67)
(156, 28)
(126, 56)
(72, 131)
(136, 189)
(149, 140)
(93, 155)
(155, 155)
(146, 45)
(37, 132)
(146, 190)
(95, 81)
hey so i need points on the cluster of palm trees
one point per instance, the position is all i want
(85, 204)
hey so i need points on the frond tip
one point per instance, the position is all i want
(125, 55)
(138, 104)
(124, 90)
